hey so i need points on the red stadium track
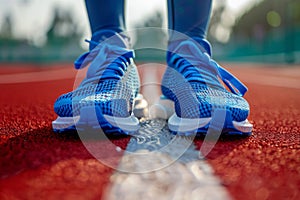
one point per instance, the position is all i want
(35, 163)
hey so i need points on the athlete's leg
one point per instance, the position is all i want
(190, 17)
(105, 15)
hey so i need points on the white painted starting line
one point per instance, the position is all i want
(187, 178)
(159, 165)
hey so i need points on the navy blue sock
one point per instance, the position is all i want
(190, 17)
(105, 15)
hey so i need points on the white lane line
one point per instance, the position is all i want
(28, 77)
(287, 77)
(181, 172)
(271, 81)
(177, 177)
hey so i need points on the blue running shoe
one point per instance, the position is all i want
(201, 101)
(105, 97)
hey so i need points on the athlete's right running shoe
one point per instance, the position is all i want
(105, 97)
(201, 102)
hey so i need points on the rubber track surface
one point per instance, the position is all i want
(36, 163)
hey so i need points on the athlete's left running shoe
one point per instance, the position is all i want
(192, 82)
(105, 97)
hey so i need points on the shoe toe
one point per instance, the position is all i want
(63, 105)
(70, 104)
(202, 101)
(222, 99)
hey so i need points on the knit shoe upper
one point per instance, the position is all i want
(111, 82)
(192, 82)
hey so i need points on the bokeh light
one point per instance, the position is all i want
(273, 18)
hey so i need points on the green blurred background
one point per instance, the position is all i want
(242, 31)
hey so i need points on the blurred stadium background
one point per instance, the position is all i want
(243, 31)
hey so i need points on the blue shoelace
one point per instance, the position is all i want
(106, 61)
(197, 66)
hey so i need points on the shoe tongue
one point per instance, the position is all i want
(111, 46)
(189, 48)
(109, 37)
(196, 55)
(192, 52)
